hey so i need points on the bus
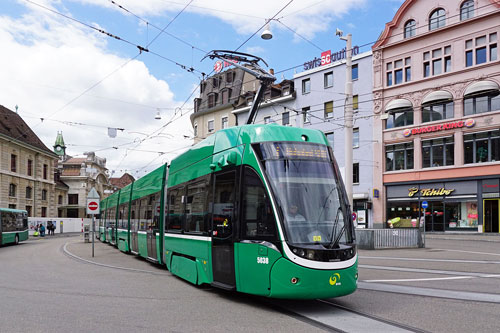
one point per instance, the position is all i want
(221, 214)
(13, 226)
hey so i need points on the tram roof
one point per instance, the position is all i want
(245, 134)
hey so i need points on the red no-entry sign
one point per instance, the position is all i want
(92, 206)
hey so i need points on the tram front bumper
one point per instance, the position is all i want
(289, 280)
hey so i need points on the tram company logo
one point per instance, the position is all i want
(335, 279)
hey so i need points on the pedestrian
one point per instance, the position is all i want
(42, 230)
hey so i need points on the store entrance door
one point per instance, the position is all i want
(491, 218)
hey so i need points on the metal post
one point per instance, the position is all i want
(348, 119)
(93, 235)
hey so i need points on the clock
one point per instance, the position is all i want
(58, 148)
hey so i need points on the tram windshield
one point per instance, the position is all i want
(308, 191)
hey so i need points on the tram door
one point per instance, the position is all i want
(153, 227)
(223, 227)
(134, 227)
(491, 216)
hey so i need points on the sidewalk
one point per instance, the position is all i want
(57, 235)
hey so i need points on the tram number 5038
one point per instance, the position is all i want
(263, 260)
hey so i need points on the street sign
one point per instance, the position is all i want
(93, 201)
(354, 216)
(425, 204)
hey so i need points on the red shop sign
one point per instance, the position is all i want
(436, 128)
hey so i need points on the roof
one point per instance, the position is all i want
(122, 181)
(13, 126)
(75, 160)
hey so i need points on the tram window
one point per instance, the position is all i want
(142, 213)
(258, 218)
(196, 206)
(175, 209)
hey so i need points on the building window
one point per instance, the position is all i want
(355, 102)
(410, 28)
(224, 122)
(438, 152)
(399, 156)
(210, 126)
(215, 82)
(285, 118)
(329, 109)
(13, 162)
(12, 190)
(440, 60)
(437, 111)
(28, 192)
(30, 168)
(328, 78)
(330, 138)
(44, 211)
(476, 51)
(480, 103)
(399, 117)
(467, 10)
(29, 210)
(60, 200)
(212, 100)
(306, 86)
(398, 71)
(306, 116)
(229, 77)
(195, 129)
(72, 199)
(355, 137)
(437, 19)
(44, 194)
(355, 72)
(226, 95)
(267, 120)
(355, 173)
(45, 171)
(482, 147)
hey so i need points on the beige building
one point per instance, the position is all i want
(219, 94)
(26, 168)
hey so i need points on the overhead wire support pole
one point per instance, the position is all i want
(265, 78)
(348, 119)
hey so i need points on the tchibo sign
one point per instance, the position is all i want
(328, 57)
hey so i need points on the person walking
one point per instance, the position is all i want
(42, 230)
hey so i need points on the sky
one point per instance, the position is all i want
(75, 66)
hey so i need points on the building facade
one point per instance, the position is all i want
(437, 117)
(219, 94)
(320, 102)
(26, 168)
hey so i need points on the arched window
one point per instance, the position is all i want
(410, 28)
(467, 10)
(437, 19)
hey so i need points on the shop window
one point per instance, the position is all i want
(437, 111)
(482, 147)
(306, 86)
(355, 173)
(355, 72)
(437, 19)
(399, 156)
(399, 118)
(410, 28)
(12, 190)
(484, 102)
(467, 10)
(328, 79)
(258, 218)
(328, 109)
(480, 50)
(403, 214)
(285, 118)
(13, 162)
(438, 152)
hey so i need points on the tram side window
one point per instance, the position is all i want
(143, 207)
(197, 215)
(153, 212)
(258, 218)
(133, 214)
(124, 216)
(175, 209)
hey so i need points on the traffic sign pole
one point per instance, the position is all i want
(93, 202)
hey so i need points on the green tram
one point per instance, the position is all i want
(259, 209)
(13, 226)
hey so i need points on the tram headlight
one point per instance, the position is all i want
(310, 254)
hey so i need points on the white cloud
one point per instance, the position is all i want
(307, 17)
(46, 63)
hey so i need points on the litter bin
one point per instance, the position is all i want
(86, 233)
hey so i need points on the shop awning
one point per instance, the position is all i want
(480, 87)
(398, 104)
(438, 95)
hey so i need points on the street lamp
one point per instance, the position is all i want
(348, 117)
(267, 34)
